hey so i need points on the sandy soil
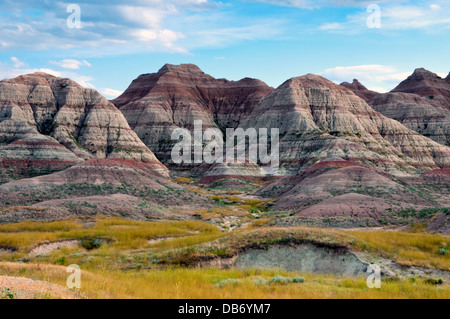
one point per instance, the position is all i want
(24, 288)
(45, 249)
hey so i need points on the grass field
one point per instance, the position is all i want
(213, 283)
(129, 265)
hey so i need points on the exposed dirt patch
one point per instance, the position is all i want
(24, 288)
(7, 250)
(160, 240)
(440, 224)
(47, 248)
(390, 269)
(305, 258)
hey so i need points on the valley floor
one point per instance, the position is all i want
(132, 259)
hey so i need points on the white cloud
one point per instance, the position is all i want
(378, 89)
(17, 62)
(7, 71)
(382, 78)
(316, 4)
(115, 28)
(435, 7)
(397, 17)
(110, 93)
(331, 26)
(71, 64)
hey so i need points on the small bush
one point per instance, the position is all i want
(227, 282)
(435, 282)
(91, 244)
(281, 280)
(7, 294)
(443, 251)
(260, 282)
(298, 280)
(61, 261)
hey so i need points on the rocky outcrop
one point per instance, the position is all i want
(156, 104)
(360, 90)
(319, 119)
(95, 177)
(418, 113)
(50, 121)
(336, 188)
(428, 84)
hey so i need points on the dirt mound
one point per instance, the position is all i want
(344, 189)
(351, 205)
(98, 177)
(306, 258)
(47, 248)
(327, 180)
(119, 205)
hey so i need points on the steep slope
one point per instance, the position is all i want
(360, 90)
(52, 122)
(156, 104)
(418, 113)
(428, 84)
(101, 186)
(319, 119)
(344, 189)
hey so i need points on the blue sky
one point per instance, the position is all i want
(272, 40)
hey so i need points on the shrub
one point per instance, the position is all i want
(298, 280)
(281, 280)
(61, 261)
(435, 282)
(226, 282)
(7, 294)
(443, 251)
(91, 244)
(260, 282)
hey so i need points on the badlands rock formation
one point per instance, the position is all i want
(360, 90)
(100, 177)
(48, 123)
(428, 84)
(418, 113)
(319, 119)
(339, 188)
(156, 104)
(421, 103)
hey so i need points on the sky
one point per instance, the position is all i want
(106, 44)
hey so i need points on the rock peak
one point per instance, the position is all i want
(309, 81)
(182, 68)
(40, 74)
(422, 73)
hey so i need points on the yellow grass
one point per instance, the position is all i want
(104, 274)
(419, 249)
(202, 283)
(124, 234)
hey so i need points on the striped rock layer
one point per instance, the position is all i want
(319, 119)
(421, 103)
(49, 123)
(156, 104)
